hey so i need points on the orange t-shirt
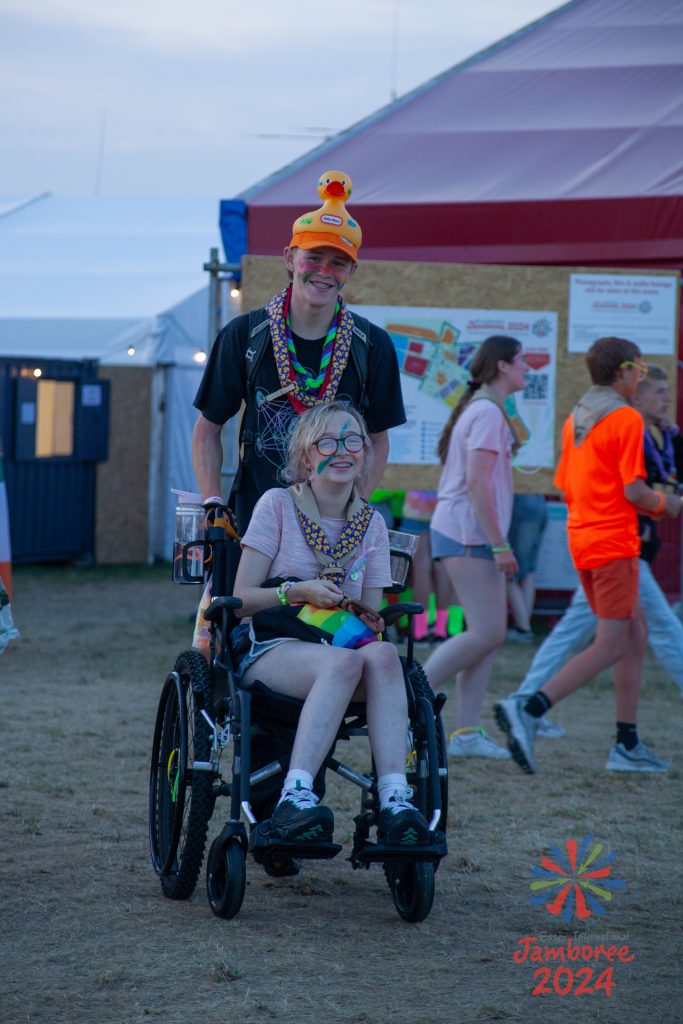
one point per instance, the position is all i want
(602, 524)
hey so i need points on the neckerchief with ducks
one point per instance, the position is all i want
(358, 516)
(301, 397)
(485, 391)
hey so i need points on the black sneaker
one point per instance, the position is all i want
(401, 824)
(299, 817)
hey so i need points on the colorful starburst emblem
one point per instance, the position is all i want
(576, 880)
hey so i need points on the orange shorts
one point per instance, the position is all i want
(612, 588)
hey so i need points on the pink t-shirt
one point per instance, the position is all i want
(274, 531)
(481, 426)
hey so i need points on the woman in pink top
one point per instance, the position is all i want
(327, 454)
(469, 533)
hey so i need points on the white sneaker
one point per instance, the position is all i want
(475, 743)
(640, 759)
(549, 730)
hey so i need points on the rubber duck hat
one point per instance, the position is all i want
(331, 225)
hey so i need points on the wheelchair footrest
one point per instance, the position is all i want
(373, 852)
(266, 848)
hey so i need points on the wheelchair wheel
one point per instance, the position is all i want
(226, 877)
(421, 688)
(181, 800)
(412, 887)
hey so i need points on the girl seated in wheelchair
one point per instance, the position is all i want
(319, 543)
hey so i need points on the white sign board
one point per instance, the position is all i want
(435, 348)
(640, 308)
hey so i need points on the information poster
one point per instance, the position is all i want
(641, 308)
(435, 349)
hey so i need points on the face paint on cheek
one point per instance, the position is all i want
(322, 466)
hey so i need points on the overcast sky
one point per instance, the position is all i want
(183, 97)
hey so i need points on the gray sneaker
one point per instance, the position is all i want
(549, 730)
(521, 730)
(640, 759)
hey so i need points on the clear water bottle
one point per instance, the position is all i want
(188, 542)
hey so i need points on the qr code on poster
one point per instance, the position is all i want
(536, 386)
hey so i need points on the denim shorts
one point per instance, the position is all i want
(444, 547)
(246, 650)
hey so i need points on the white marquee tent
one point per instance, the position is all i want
(96, 278)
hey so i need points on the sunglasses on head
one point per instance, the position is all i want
(640, 367)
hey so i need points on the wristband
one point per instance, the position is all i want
(499, 549)
(661, 506)
(214, 500)
(281, 591)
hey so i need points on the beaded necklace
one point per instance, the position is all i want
(300, 396)
(307, 382)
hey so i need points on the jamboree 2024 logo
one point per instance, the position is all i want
(574, 882)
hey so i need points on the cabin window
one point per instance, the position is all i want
(54, 418)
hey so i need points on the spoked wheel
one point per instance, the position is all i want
(412, 886)
(181, 798)
(226, 877)
(421, 688)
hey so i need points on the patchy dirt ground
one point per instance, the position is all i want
(87, 937)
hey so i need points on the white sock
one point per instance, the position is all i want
(298, 779)
(387, 786)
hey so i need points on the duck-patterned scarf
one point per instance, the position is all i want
(358, 516)
(301, 391)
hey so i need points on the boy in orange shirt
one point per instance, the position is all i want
(602, 474)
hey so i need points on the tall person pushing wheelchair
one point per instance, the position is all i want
(302, 348)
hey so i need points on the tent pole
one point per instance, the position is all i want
(217, 272)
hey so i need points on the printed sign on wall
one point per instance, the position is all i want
(435, 349)
(641, 308)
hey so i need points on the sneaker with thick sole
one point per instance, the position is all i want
(298, 816)
(549, 730)
(401, 824)
(521, 729)
(639, 759)
(476, 743)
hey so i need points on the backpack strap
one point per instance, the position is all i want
(360, 355)
(258, 338)
(257, 341)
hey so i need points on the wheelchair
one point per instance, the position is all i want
(206, 718)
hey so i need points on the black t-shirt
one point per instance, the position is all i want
(224, 388)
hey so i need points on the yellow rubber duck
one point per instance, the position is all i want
(331, 225)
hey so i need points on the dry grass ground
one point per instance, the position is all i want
(87, 937)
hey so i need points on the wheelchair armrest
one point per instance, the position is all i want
(213, 612)
(392, 612)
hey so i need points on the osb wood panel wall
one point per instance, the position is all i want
(122, 524)
(467, 286)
